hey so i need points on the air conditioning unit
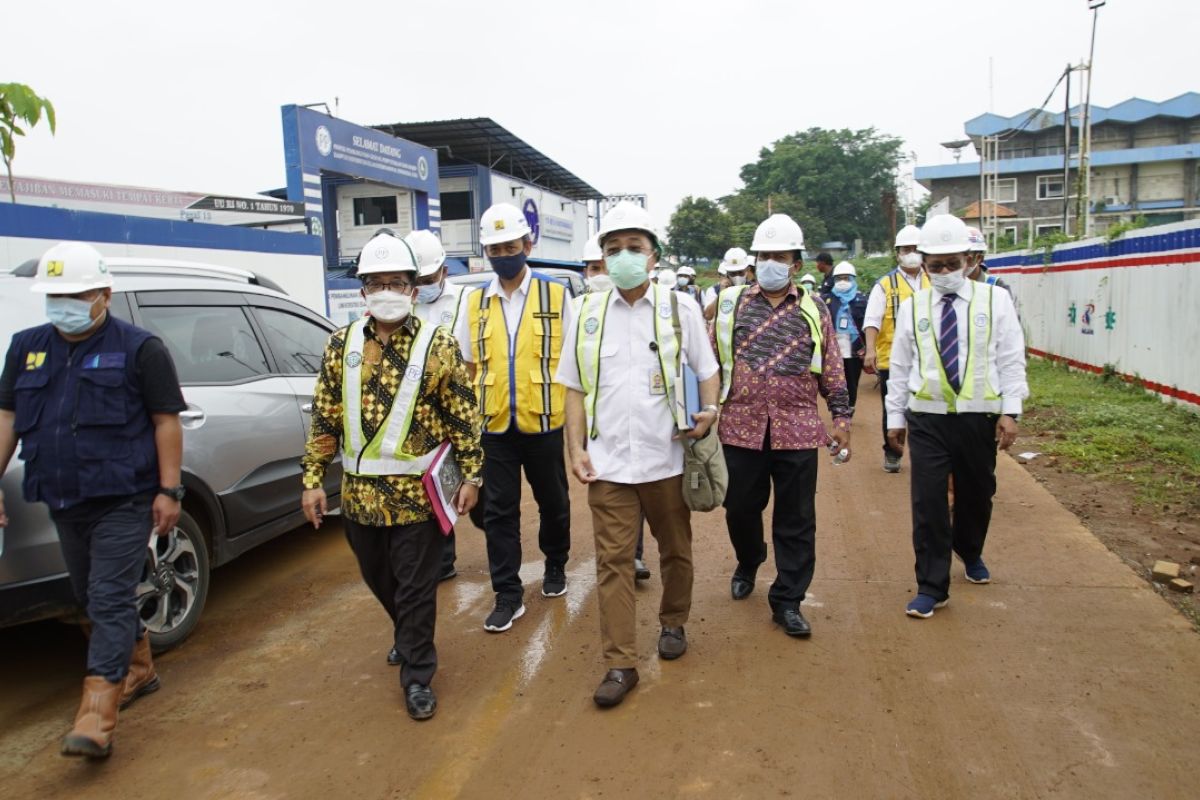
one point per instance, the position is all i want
(1111, 200)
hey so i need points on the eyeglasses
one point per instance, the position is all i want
(939, 268)
(374, 287)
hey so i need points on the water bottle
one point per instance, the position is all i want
(839, 456)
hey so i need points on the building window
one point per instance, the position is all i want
(1009, 232)
(457, 206)
(1050, 187)
(379, 210)
(1005, 190)
(1046, 230)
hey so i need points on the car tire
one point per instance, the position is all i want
(174, 584)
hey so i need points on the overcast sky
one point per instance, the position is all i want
(662, 97)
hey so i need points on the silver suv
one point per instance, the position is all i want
(247, 358)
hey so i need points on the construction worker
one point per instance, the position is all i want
(623, 436)
(808, 282)
(880, 321)
(957, 385)
(732, 270)
(513, 335)
(977, 271)
(95, 403)
(847, 307)
(685, 282)
(392, 389)
(439, 302)
(778, 351)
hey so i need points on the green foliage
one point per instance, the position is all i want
(698, 229)
(872, 269)
(19, 104)
(1115, 230)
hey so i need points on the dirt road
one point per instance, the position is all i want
(1066, 677)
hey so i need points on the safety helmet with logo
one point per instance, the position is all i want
(977, 240)
(428, 251)
(592, 251)
(503, 222)
(71, 268)
(386, 252)
(735, 260)
(944, 234)
(845, 268)
(908, 236)
(686, 270)
(777, 233)
(626, 216)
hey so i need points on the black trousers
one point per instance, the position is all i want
(793, 524)
(940, 446)
(853, 367)
(400, 565)
(883, 382)
(541, 456)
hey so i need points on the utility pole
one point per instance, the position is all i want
(1085, 153)
(1066, 212)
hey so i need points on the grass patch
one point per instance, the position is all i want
(1103, 426)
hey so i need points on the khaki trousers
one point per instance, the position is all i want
(616, 522)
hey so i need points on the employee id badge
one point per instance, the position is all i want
(657, 385)
(844, 324)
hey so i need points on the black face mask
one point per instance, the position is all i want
(508, 267)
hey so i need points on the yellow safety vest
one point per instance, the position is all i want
(729, 302)
(896, 290)
(976, 394)
(589, 332)
(519, 385)
(384, 454)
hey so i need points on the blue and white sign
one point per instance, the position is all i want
(530, 210)
(559, 228)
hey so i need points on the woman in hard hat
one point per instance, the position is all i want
(847, 306)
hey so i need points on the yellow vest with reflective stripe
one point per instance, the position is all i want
(729, 302)
(936, 395)
(896, 290)
(384, 454)
(519, 385)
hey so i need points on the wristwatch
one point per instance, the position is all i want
(711, 408)
(176, 493)
(476, 482)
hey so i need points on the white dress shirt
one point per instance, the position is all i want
(1006, 353)
(442, 311)
(877, 300)
(514, 307)
(635, 427)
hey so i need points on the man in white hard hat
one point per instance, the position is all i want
(847, 306)
(808, 282)
(619, 365)
(958, 381)
(95, 403)
(733, 269)
(778, 352)
(977, 271)
(439, 302)
(391, 391)
(880, 321)
(685, 282)
(513, 334)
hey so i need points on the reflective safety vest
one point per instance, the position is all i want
(446, 309)
(896, 290)
(384, 454)
(977, 394)
(589, 332)
(519, 384)
(729, 302)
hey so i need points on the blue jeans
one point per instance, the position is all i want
(105, 554)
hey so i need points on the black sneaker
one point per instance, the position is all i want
(554, 582)
(501, 619)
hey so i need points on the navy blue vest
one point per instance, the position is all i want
(858, 312)
(84, 430)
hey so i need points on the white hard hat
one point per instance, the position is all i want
(735, 260)
(777, 233)
(977, 240)
(386, 253)
(685, 270)
(908, 236)
(503, 222)
(71, 268)
(808, 278)
(591, 249)
(427, 250)
(665, 277)
(845, 268)
(944, 234)
(626, 216)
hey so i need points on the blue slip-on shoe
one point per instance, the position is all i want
(922, 606)
(978, 572)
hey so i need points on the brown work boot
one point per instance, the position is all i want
(141, 678)
(616, 684)
(95, 721)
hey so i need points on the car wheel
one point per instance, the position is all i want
(174, 584)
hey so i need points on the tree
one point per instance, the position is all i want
(698, 229)
(836, 176)
(747, 210)
(18, 103)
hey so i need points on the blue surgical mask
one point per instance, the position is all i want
(627, 269)
(70, 315)
(508, 267)
(772, 275)
(429, 294)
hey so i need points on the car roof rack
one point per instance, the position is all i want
(120, 265)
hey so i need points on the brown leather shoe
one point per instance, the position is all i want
(616, 684)
(141, 678)
(95, 721)
(672, 643)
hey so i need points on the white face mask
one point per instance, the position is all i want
(910, 261)
(948, 282)
(389, 306)
(599, 283)
(737, 280)
(772, 275)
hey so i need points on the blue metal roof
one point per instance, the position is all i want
(1185, 106)
(1100, 158)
